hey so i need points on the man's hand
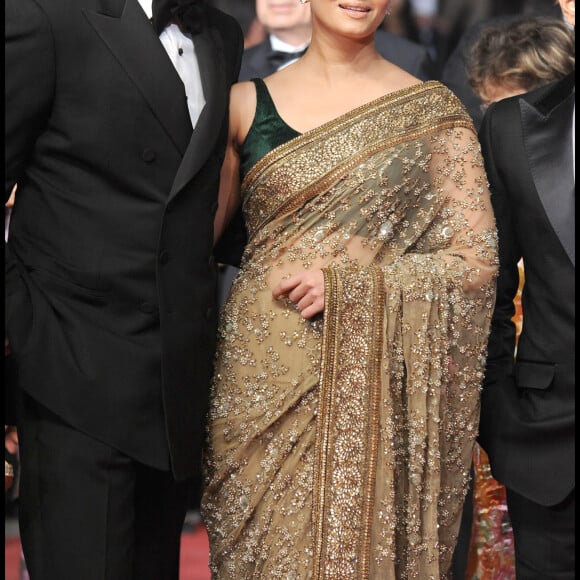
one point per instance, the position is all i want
(305, 290)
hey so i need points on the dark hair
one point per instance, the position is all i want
(523, 53)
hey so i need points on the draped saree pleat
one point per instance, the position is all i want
(339, 448)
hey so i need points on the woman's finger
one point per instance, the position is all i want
(286, 286)
(315, 308)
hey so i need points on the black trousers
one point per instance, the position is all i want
(88, 511)
(461, 552)
(543, 538)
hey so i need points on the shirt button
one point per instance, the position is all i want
(163, 257)
(148, 155)
(180, 51)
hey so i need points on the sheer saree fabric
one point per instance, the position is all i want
(339, 448)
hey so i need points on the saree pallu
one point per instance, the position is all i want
(340, 447)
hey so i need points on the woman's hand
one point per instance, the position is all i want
(305, 290)
(10, 439)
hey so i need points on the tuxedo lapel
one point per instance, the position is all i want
(208, 49)
(548, 143)
(125, 29)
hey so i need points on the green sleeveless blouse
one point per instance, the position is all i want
(268, 130)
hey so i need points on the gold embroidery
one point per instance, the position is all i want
(340, 447)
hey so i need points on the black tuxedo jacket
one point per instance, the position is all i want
(410, 56)
(527, 418)
(110, 280)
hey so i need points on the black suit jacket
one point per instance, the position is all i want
(410, 56)
(110, 280)
(527, 418)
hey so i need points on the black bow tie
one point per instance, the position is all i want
(189, 15)
(278, 57)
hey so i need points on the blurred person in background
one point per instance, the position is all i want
(519, 55)
(244, 11)
(454, 73)
(527, 413)
(435, 23)
(440, 24)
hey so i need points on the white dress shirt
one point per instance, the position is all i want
(282, 46)
(181, 51)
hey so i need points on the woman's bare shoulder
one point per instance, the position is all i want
(243, 93)
(243, 101)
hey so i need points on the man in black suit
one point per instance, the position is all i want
(115, 133)
(527, 418)
(288, 26)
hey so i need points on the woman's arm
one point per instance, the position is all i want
(242, 109)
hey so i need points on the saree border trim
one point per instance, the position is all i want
(398, 96)
(327, 376)
(331, 347)
(301, 197)
(378, 298)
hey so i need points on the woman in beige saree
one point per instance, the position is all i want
(346, 392)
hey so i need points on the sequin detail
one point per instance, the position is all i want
(340, 447)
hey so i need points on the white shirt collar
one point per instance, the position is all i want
(146, 5)
(282, 46)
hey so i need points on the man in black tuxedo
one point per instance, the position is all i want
(289, 28)
(527, 418)
(115, 133)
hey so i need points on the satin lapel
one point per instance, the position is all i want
(209, 52)
(125, 29)
(548, 143)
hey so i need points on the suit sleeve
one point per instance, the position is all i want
(229, 248)
(29, 83)
(454, 76)
(502, 340)
(427, 68)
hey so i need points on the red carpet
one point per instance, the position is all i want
(194, 557)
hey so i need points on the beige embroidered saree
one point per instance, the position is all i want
(340, 448)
